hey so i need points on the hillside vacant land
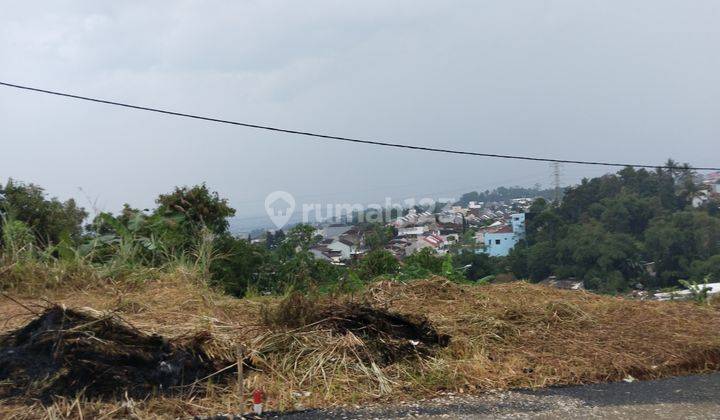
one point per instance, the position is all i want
(170, 346)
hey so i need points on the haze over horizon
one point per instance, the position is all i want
(602, 81)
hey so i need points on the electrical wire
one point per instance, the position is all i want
(349, 139)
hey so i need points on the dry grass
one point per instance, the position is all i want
(502, 336)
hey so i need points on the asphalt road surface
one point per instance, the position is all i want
(690, 397)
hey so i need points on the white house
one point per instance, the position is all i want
(348, 244)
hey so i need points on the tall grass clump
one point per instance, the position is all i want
(122, 255)
(27, 267)
(17, 239)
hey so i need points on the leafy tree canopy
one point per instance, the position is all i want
(198, 206)
(607, 230)
(50, 219)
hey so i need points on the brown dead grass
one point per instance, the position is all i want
(502, 336)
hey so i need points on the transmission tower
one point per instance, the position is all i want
(556, 170)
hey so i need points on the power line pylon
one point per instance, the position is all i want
(556, 170)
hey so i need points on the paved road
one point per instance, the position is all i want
(690, 397)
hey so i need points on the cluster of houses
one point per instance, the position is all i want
(340, 243)
(497, 229)
(710, 189)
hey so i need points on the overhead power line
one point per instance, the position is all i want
(346, 139)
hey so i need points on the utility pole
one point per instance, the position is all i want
(556, 180)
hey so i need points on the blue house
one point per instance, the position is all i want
(499, 242)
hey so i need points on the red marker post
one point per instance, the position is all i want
(257, 397)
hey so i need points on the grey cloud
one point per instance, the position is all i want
(588, 80)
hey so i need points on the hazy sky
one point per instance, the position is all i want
(599, 80)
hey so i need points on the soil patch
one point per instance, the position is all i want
(65, 352)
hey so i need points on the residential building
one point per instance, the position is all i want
(414, 218)
(712, 178)
(435, 242)
(325, 253)
(517, 221)
(500, 240)
(335, 230)
(345, 247)
(412, 231)
(398, 247)
(349, 244)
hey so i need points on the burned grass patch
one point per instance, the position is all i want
(391, 336)
(65, 352)
(386, 336)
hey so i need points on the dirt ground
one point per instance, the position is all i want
(392, 342)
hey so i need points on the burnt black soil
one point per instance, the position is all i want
(387, 335)
(65, 352)
(391, 336)
(367, 320)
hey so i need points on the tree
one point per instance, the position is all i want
(274, 240)
(517, 260)
(238, 266)
(607, 226)
(197, 206)
(538, 206)
(376, 263)
(480, 265)
(468, 197)
(449, 271)
(49, 219)
(540, 260)
(548, 225)
(628, 213)
(301, 236)
(377, 235)
(675, 241)
(425, 259)
(590, 248)
(296, 272)
(706, 269)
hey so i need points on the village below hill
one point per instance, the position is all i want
(494, 229)
(490, 228)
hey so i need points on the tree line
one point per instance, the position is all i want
(618, 230)
(614, 231)
(190, 225)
